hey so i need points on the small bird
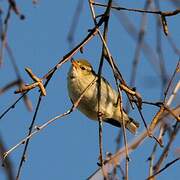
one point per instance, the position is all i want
(80, 75)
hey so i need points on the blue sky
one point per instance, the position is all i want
(68, 149)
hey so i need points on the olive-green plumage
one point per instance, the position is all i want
(80, 75)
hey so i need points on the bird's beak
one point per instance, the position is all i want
(75, 64)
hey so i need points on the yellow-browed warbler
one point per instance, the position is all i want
(80, 75)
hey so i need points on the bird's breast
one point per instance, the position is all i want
(89, 102)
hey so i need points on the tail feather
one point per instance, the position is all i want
(130, 124)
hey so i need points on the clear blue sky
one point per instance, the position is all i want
(68, 149)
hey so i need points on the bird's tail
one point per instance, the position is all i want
(132, 125)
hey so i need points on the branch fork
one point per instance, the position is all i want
(37, 83)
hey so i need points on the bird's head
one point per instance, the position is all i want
(82, 68)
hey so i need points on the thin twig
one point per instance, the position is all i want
(27, 142)
(164, 13)
(163, 73)
(173, 45)
(12, 106)
(165, 167)
(170, 82)
(73, 27)
(4, 34)
(7, 164)
(133, 32)
(139, 44)
(106, 15)
(174, 93)
(18, 75)
(151, 160)
(8, 86)
(14, 7)
(125, 138)
(166, 149)
(167, 103)
(99, 100)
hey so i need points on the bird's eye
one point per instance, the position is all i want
(82, 67)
